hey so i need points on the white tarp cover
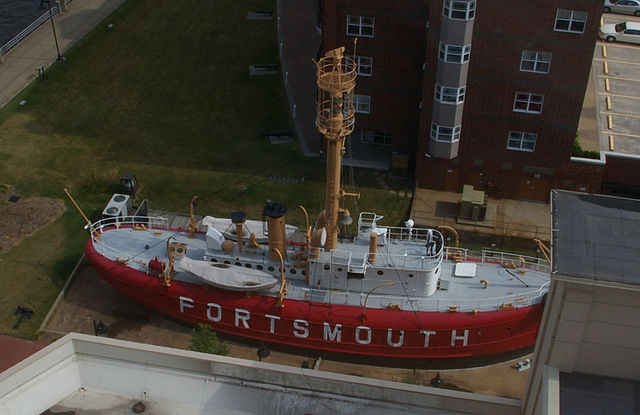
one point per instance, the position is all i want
(228, 277)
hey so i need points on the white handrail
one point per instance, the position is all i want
(27, 31)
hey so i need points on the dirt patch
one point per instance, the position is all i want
(24, 216)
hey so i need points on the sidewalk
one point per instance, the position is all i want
(505, 217)
(19, 66)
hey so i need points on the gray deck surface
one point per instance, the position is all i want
(596, 237)
(504, 285)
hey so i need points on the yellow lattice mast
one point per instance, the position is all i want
(335, 119)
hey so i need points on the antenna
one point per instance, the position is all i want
(355, 42)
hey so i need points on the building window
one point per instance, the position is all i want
(527, 102)
(445, 134)
(463, 10)
(533, 61)
(364, 65)
(371, 137)
(521, 141)
(448, 95)
(360, 26)
(570, 21)
(362, 103)
(454, 53)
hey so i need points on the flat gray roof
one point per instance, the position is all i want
(591, 394)
(596, 237)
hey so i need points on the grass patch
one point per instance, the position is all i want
(577, 151)
(165, 93)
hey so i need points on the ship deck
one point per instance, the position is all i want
(506, 287)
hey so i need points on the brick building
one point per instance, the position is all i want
(473, 92)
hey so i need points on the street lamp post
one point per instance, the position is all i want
(53, 26)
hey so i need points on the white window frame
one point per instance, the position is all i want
(521, 141)
(361, 26)
(530, 101)
(459, 10)
(539, 59)
(448, 95)
(372, 137)
(363, 62)
(362, 103)
(571, 18)
(454, 53)
(445, 134)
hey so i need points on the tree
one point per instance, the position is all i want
(205, 340)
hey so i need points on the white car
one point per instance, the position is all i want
(623, 6)
(621, 32)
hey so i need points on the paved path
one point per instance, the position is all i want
(19, 66)
(505, 217)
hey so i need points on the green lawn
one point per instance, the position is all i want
(164, 93)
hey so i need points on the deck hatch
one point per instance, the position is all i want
(465, 270)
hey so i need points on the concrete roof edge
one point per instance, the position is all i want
(79, 346)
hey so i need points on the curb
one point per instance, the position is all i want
(61, 294)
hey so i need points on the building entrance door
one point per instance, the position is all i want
(534, 188)
(476, 179)
(452, 180)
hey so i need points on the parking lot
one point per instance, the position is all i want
(616, 77)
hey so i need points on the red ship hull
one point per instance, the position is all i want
(403, 334)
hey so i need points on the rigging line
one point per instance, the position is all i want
(154, 245)
(415, 312)
(351, 177)
(176, 232)
(251, 175)
(516, 277)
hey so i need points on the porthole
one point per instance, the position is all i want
(327, 267)
(259, 267)
(303, 272)
(380, 272)
(339, 269)
(227, 262)
(410, 275)
(214, 260)
(271, 268)
(293, 272)
(238, 264)
(248, 265)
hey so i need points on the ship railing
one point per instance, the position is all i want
(409, 262)
(368, 222)
(455, 253)
(516, 300)
(512, 301)
(520, 261)
(495, 257)
(339, 257)
(136, 222)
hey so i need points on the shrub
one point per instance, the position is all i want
(205, 340)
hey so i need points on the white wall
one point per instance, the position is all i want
(92, 371)
(589, 327)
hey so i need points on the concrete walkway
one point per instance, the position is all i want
(19, 66)
(505, 217)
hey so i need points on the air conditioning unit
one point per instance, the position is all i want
(119, 206)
